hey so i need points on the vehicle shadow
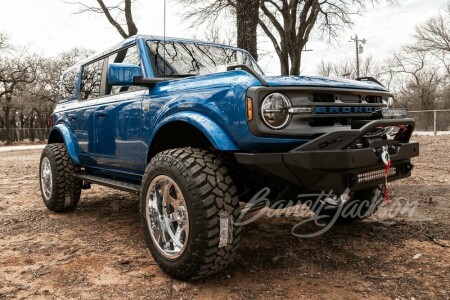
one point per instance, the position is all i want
(268, 243)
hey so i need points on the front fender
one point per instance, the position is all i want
(70, 141)
(215, 134)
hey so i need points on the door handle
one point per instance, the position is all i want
(72, 117)
(100, 114)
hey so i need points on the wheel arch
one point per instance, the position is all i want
(61, 134)
(189, 129)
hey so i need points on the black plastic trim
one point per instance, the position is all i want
(326, 162)
(248, 70)
(328, 170)
(149, 82)
(344, 138)
(371, 79)
(110, 182)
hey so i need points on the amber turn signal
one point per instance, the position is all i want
(249, 109)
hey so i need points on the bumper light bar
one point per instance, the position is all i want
(375, 175)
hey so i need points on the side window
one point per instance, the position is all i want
(67, 88)
(128, 56)
(91, 80)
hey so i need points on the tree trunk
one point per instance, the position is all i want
(295, 63)
(22, 125)
(40, 122)
(13, 127)
(284, 60)
(247, 15)
(7, 110)
(32, 134)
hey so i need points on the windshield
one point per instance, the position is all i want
(186, 58)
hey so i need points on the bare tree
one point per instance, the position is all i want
(218, 36)
(287, 23)
(434, 37)
(116, 14)
(29, 87)
(15, 73)
(326, 68)
(3, 41)
(69, 58)
(346, 68)
(247, 18)
(420, 82)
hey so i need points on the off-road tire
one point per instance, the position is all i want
(374, 195)
(209, 193)
(66, 189)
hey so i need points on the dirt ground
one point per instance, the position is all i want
(98, 251)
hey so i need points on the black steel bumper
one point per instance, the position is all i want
(326, 163)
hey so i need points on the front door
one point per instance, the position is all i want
(112, 129)
(117, 132)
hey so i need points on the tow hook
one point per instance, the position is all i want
(385, 157)
(337, 201)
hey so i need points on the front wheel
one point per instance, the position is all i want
(188, 207)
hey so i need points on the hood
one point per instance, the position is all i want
(317, 81)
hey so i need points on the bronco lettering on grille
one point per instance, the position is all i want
(346, 109)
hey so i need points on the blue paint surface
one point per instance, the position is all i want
(113, 133)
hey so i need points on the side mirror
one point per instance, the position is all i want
(123, 74)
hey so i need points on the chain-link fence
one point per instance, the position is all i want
(24, 134)
(431, 121)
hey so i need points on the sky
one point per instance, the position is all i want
(49, 27)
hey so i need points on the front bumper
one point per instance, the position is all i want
(326, 163)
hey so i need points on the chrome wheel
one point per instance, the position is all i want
(46, 178)
(167, 217)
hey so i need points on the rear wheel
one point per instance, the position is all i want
(59, 188)
(188, 205)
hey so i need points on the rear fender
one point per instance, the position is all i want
(69, 139)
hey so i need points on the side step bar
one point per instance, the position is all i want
(109, 182)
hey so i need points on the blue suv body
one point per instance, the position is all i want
(124, 113)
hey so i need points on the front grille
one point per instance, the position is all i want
(345, 98)
(375, 175)
(323, 97)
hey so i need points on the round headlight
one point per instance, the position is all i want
(275, 110)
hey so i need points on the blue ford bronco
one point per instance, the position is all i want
(196, 128)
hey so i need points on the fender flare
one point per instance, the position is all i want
(70, 141)
(215, 134)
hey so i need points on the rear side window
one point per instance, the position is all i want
(91, 80)
(68, 84)
(128, 56)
